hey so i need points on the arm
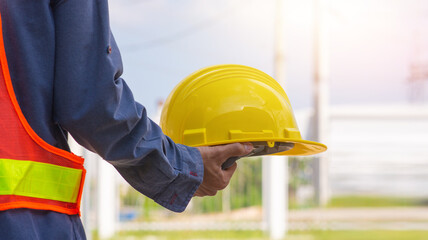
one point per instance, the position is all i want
(94, 104)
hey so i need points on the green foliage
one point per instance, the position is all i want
(245, 189)
(207, 204)
(246, 185)
(300, 169)
(300, 174)
(144, 206)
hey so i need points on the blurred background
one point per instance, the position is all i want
(356, 73)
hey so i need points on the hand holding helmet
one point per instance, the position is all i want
(215, 177)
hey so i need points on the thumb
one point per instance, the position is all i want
(236, 149)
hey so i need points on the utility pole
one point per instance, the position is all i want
(86, 197)
(107, 199)
(320, 93)
(275, 168)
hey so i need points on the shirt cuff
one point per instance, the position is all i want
(177, 195)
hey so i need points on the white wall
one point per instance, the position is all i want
(380, 150)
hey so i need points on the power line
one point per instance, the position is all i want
(190, 30)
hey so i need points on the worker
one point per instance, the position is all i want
(61, 73)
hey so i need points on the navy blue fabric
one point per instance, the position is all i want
(17, 224)
(66, 71)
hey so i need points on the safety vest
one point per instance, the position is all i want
(33, 174)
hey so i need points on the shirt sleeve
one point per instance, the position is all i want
(95, 105)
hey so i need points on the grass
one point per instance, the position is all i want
(370, 235)
(257, 235)
(375, 201)
(363, 201)
(188, 235)
(336, 202)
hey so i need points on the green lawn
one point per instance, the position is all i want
(257, 235)
(375, 201)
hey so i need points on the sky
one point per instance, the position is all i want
(372, 43)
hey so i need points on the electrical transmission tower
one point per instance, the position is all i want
(418, 78)
(417, 81)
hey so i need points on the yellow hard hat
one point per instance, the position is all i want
(230, 103)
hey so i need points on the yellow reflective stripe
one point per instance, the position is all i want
(40, 180)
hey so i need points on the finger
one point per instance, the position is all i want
(226, 176)
(235, 149)
(228, 173)
(212, 193)
(208, 192)
(205, 191)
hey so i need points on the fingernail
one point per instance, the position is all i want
(248, 147)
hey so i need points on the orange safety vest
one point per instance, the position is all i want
(33, 174)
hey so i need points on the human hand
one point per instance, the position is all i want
(213, 157)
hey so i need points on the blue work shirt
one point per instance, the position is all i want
(66, 72)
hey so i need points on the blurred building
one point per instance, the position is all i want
(379, 150)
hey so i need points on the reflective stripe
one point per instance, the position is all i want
(40, 180)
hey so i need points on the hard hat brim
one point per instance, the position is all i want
(301, 147)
